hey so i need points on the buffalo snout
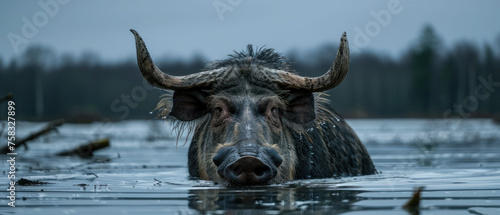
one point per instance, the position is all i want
(247, 168)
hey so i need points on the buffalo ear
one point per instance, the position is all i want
(300, 107)
(188, 104)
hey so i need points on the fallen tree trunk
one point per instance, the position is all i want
(49, 127)
(86, 150)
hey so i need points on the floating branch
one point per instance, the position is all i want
(87, 150)
(49, 127)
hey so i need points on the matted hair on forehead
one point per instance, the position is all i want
(260, 56)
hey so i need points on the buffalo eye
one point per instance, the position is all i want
(218, 110)
(218, 113)
(221, 112)
(273, 114)
(270, 109)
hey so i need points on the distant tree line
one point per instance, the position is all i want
(428, 80)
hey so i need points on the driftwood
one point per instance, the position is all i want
(7, 97)
(49, 127)
(27, 182)
(86, 150)
(413, 205)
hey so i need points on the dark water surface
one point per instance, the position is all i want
(143, 172)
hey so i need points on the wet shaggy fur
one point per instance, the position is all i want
(323, 147)
(266, 57)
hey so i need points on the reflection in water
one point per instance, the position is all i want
(279, 199)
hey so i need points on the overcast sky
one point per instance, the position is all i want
(214, 28)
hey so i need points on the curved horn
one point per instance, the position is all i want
(333, 77)
(158, 79)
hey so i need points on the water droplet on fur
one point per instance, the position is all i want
(337, 119)
(163, 117)
(151, 112)
(310, 130)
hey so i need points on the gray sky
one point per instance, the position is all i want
(214, 28)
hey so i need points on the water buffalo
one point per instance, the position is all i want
(256, 122)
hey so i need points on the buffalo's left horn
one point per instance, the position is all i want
(158, 79)
(333, 77)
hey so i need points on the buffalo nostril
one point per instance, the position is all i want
(237, 170)
(260, 171)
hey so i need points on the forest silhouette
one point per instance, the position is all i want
(427, 80)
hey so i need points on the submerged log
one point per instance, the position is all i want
(49, 127)
(86, 150)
